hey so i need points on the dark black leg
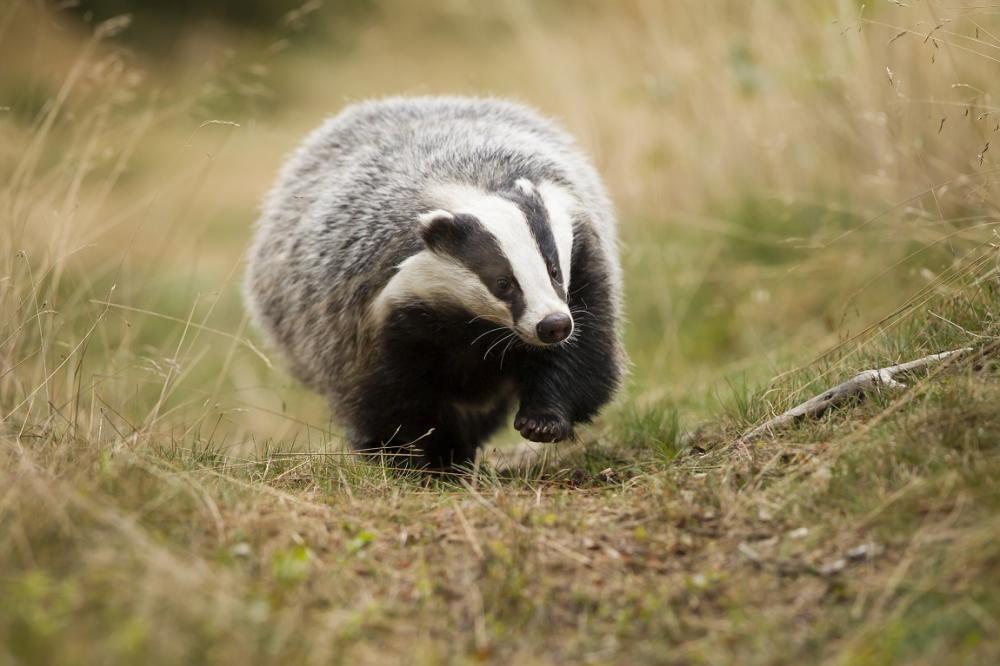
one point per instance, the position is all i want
(434, 438)
(427, 365)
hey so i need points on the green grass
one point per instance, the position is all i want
(169, 495)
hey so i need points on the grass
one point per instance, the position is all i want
(804, 192)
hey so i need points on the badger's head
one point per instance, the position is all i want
(504, 257)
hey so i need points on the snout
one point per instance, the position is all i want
(554, 328)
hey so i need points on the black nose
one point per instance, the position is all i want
(554, 328)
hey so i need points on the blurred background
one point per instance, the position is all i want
(788, 175)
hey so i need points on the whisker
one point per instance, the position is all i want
(503, 339)
(505, 349)
(486, 317)
(492, 330)
(574, 338)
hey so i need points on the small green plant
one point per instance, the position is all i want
(655, 430)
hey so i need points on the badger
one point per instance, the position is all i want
(427, 262)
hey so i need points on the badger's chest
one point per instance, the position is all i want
(470, 362)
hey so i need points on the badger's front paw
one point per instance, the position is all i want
(542, 425)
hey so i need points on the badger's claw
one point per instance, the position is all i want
(543, 425)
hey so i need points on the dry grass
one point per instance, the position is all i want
(805, 191)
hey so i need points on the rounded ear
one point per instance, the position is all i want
(427, 219)
(525, 186)
(439, 230)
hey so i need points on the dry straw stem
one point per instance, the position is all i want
(854, 387)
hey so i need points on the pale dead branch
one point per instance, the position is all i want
(854, 387)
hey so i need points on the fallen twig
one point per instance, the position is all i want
(854, 387)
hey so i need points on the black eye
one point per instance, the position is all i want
(554, 271)
(503, 285)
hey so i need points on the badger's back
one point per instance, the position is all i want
(342, 216)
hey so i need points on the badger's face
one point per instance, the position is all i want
(504, 256)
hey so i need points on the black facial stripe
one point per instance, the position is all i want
(466, 240)
(533, 208)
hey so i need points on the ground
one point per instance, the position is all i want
(805, 191)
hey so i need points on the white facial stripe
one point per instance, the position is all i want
(432, 278)
(560, 205)
(505, 221)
